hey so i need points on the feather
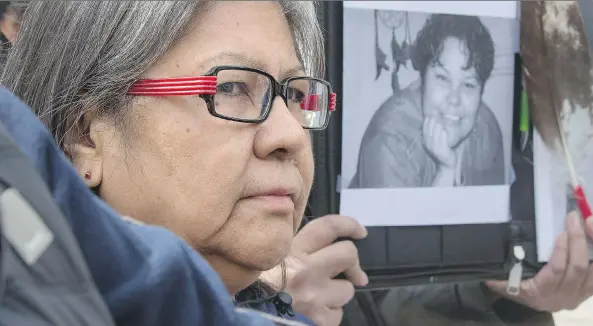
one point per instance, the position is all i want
(380, 56)
(558, 80)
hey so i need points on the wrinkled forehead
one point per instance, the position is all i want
(252, 34)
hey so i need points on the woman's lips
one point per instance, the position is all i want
(275, 200)
(279, 204)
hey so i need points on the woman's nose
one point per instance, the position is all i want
(281, 135)
(454, 97)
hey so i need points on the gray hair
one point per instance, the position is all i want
(73, 57)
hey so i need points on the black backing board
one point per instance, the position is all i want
(418, 255)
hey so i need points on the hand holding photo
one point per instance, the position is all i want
(437, 144)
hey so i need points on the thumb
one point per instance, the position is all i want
(323, 231)
(273, 277)
(589, 227)
(498, 287)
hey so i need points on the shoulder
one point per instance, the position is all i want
(487, 135)
(399, 109)
(399, 118)
(394, 129)
(487, 124)
(392, 145)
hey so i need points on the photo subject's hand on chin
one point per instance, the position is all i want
(566, 281)
(315, 259)
(436, 142)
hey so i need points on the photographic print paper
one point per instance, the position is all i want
(427, 122)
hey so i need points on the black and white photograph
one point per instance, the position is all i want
(428, 105)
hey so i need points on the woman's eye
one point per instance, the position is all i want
(231, 88)
(295, 95)
(471, 86)
(441, 77)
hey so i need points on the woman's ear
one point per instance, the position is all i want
(9, 25)
(86, 147)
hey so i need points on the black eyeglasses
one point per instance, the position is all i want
(246, 95)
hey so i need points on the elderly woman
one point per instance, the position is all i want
(194, 116)
(146, 275)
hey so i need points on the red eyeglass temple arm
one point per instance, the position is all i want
(202, 85)
(311, 103)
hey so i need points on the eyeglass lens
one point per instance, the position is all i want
(247, 95)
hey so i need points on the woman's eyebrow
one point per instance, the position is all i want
(439, 64)
(242, 59)
(237, 57)
(296, 71)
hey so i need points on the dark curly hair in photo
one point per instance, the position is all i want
(468, 29)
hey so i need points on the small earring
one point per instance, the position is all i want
(87, 176)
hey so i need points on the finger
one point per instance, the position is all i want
(499, 289)
(425, 131)
(578, 263)
(587, 291)
(428, 122)
(434, 134)
(443, 146)
(545, 284)
(340, 257)
(323, 231)
(331, 317)
(440, 135)
(589, 227)
(339, 293)
(445, 138)
(588, 287)
(432, 127)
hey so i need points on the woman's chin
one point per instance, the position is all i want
(267, 246)
(270, 256)
(256, 248)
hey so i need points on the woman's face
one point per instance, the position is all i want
(235, 191)
(452, 92)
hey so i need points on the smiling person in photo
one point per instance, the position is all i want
(438, 132)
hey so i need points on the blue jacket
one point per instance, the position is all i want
(269, 308)
(146, 274)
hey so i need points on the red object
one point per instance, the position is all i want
(582, 202)
(202, 85)
(311, 103)
(87, 175)
(332, 101)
